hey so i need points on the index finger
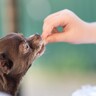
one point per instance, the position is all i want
(52, 21)
(50, 24)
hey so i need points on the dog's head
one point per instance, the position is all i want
(17, 53)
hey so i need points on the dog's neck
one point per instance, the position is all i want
(9, 84)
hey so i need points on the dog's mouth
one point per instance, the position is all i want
(41, 49)
(37, 43)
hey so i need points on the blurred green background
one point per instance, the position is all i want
(64, 67)
(59, 56)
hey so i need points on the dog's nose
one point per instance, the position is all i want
(37, 37)
(35, 41)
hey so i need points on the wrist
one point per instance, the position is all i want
(91, 33)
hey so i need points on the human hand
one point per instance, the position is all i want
(74, 29)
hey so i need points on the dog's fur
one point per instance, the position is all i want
(16, 56)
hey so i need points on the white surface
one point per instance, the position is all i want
(85, 91)
(4, 94)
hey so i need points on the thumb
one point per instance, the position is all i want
(55, 37)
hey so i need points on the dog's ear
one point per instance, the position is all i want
(5, 63)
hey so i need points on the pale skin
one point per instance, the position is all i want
(75, 30)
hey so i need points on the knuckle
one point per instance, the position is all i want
(67, 12)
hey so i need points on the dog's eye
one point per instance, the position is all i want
(24, 48)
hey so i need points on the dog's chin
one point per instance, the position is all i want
(37, 42)
(41, 50)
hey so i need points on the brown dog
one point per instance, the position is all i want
(16, 56)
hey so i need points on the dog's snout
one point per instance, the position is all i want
(35, 41)
(37, 37)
